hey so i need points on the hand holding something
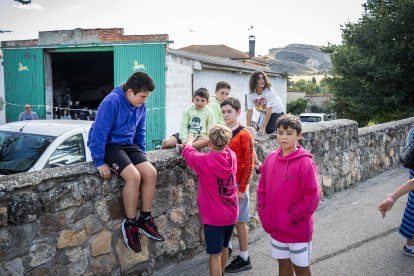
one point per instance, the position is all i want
(104, 171)
(385, 206)
(261, 131)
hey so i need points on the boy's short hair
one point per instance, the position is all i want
(233, 102)
(219, 136)
(222, 84)
(289, 120)
(202, 93)
(139, 82)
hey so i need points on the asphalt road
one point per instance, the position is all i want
(350, 238)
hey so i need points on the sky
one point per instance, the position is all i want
(276, 23)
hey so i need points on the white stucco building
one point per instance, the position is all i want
(187, 72)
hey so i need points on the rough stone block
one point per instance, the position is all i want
(13, 267)
(101, 244)
(41, 253)
(24, 208)
(116, 208)
(129, 259)
(3, 216)
(69, 238)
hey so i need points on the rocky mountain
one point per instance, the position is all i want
(299, 59)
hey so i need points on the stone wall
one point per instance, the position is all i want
(66, 221)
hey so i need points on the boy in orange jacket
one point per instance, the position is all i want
(242, 144)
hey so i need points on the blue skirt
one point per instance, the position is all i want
(407, 224)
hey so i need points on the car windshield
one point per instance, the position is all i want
(310, 119)
(19, 151)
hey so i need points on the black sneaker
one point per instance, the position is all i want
(408, 252)
(149, 229)
(179, 149)
(238, 264)
(131, 236)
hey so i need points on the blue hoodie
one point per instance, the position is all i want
(117, 122)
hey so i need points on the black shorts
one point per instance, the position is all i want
(217, 237)
(118, 157)
(177, 136)
(271, 125)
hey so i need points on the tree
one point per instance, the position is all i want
(307, 86)
(374, 66)
(297, 107)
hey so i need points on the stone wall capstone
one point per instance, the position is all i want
(66, 221)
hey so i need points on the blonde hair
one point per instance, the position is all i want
(219, 136)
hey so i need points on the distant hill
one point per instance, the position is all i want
(299, 59)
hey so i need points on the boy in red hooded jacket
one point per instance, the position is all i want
(288, 195)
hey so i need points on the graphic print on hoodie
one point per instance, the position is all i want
(217, 191)
(288, 195)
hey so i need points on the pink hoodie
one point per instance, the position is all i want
(217, 191)
(288, 195)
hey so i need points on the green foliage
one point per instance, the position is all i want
(297, 107)
(308, 87)
(374, 66)
(316, 109)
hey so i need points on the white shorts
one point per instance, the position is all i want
(298, 253)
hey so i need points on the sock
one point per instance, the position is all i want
(244, 255)
(131, 221)
(145, 216)
(409, 247)
(230, 245)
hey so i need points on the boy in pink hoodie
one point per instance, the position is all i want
(217, 193)
(288, 195)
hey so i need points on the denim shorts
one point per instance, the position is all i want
(244, 207)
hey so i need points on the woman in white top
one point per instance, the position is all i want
(266, 101)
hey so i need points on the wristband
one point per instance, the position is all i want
(390, 199)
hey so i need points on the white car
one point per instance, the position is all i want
(38, 144)
(309, 118)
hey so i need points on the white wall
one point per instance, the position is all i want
(295, 95)
(179, 87)
(2, 93)
(178, 91)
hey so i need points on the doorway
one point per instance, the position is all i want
(80, 81)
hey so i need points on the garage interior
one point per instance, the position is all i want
(81, 80)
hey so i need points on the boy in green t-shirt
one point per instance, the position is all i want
(222, 93)
(197, 118)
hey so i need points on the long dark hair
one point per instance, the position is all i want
(253, 81)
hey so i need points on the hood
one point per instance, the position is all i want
(120, 92)
(213, 99)
(222, 163)
(284, 161)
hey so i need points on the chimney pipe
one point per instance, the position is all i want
(252, 44)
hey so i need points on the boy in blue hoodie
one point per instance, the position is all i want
(117, 142)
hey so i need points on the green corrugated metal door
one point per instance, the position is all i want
(149, 58)
(24, 82)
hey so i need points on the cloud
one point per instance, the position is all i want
(75, 7)
(28, 7)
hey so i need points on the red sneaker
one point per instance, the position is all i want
(149, 229)
(131, 236)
